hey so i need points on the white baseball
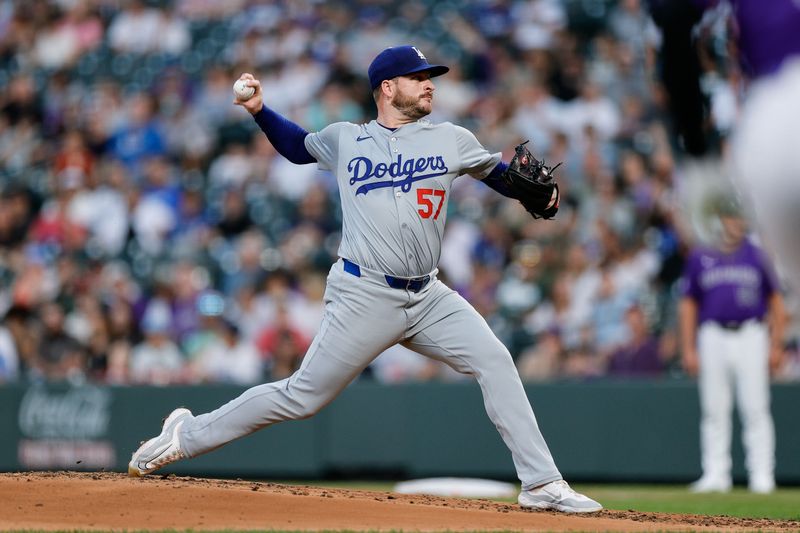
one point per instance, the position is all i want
(242, 91)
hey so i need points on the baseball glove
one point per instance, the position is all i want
(532, 183)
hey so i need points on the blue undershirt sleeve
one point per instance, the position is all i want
(286, 136)
(495, 180)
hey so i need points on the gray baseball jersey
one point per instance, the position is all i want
(395, 186)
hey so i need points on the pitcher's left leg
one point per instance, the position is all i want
(450, 330)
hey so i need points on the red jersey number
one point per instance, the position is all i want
(426, 199)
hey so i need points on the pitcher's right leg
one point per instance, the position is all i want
(315, 384)
(360, 321)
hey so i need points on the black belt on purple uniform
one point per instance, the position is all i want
(411, 284)
(732, 325)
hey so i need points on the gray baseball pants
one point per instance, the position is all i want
(363, 317)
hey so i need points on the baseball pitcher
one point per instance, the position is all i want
(394, 176)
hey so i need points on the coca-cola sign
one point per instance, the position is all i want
(75, 413)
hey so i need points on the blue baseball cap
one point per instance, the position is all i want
(400, 61)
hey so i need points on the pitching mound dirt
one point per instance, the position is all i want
(111, 501)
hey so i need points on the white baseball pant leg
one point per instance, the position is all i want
(750, 361)
(445, 327)
(716, 402)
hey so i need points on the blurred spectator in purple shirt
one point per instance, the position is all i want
(640, 355)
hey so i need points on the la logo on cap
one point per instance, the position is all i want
(420, 54)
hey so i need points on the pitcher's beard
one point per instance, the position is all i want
(410, 106)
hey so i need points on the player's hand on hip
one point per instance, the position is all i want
(691, 362)
(255, 102)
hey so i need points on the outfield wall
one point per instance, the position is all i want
(597, 431)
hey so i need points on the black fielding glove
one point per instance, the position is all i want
(532, 183)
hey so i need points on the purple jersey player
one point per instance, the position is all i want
(731, 319)
(765, 164)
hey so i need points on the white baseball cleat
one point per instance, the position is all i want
(161, 450)
(559, 496)
(706, 485)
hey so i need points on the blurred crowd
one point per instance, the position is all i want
(149, 233)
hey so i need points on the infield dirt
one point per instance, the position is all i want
(112, 501)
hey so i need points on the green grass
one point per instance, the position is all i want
(784, 503)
